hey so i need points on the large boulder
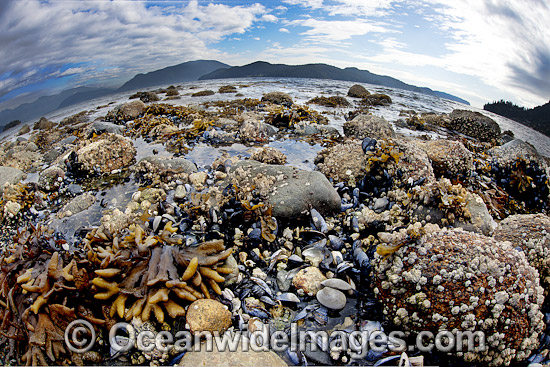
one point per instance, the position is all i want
(531, 233)
(253, 128)
(455, 280)
(43, 124)
(473, 124)
(510, 152)
(125, 112)
(449, 158)
(358, 91)
(343, 162)
(107, 153)
(289, 190)
(371, 126)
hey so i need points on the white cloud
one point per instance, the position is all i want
(284, 30)
(338, 30)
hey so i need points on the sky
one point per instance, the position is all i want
(479, 50)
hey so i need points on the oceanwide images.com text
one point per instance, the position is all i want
(80, 337)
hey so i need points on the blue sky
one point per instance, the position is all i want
(480, 50)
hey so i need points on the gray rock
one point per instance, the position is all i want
(105, 127)
(255, 130)
(480, 221)
(9, 175)
(358, 91)
(283, 280)
(68, 140)
(126, 111)
(289, 190)
(511, 151)
(332, 298)
(371, 126)
(180, 192)
(51, 178)
(52, 155)
(306, 129)
(24, 130)
(380, 204)
(337, 283)
(77, 205)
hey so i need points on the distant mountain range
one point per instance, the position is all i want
(537, 118)
(320, 71)
(202, 70)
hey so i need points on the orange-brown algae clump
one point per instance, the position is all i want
(462, 281)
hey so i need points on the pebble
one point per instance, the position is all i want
(337, 284)
(208, 315)
(309, 280)
(380, 204)
(332, 298)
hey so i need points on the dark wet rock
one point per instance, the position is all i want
(68, 140)
(449, 158)
(10, 125)
(208, 315)
(9, 175)
(343, 162)
(51, 178)
(77, 205)
(371, 126)
(107, 153)
(241, 357)
(269, 155)
(473, 124)
(24, 130)
(309, 280)
(43, 124)
(479, 284)
(331, 298)
(358, 91)
(277, 98)
(530, 232)
(125, 112)
(100, 127)
(145, 96)
(289, 190)
(51, 155)
(377, 99)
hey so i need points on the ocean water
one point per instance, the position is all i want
(301, 91)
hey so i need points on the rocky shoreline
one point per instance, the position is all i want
(405, 233)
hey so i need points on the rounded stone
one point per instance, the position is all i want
(337, 284)
(208, 315)
(449, 158)
(309, 280)
(277, 97)
(332, 298)
(107, 153)
(456, 280)
(358, 91)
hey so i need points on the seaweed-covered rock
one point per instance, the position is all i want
(376, 99)
(208, 315)
(277, 98)
(227, 89)
(473, 124)
(371, 126)
(343, 162)
(145, 96)
(203, 93)
(449, 158)
(269, 155)
(106, 153)
(43, 124)
(288, 189)
(333, 101)
(125, 112)
(456, 280)
(530, 232)
(358, 91)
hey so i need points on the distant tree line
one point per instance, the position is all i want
(537, 118)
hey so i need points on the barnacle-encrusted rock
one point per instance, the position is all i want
(510, 152)
(9, 175)
(21, 155)
(269, 155)
(371, 126)
(125, 112)
(461, 281)
(51, 178)
(166, 168)
(473, 124)
(106, 153)
(449, 158)
(76, 205)
(358, 91)
(343, 162)
(288, 189)
(277, 97)
(309, 280)
(531, 232)
(254, 129)
(208, 315)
